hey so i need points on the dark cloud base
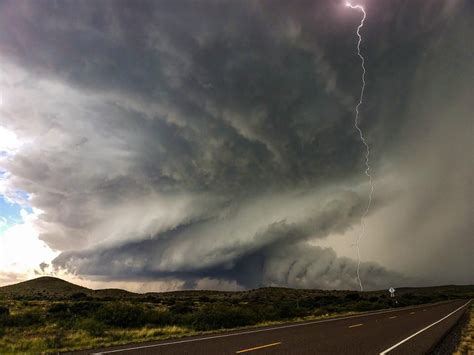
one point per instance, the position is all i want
(214, 139)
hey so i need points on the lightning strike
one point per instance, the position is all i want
(367, 149)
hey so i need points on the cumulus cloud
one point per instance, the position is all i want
(21, 251)
(188, 142)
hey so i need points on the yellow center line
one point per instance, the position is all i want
(257, 347)
(412, 312)
(356, 325)
(392, 317)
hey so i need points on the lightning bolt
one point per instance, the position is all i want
(367, 149)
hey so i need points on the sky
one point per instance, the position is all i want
(163, 145)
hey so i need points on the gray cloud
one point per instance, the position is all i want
(258, 252)
(43, 266)
(191, 140)
(305, 266)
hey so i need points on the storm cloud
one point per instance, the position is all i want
(214, 140)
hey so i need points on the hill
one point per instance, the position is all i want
(48, 314)
(47, 287)
(52, 288)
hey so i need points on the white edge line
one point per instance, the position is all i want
(259, 330)
(422, 330)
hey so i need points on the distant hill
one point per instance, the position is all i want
(51, 288)
(115, 293)
(47, 287)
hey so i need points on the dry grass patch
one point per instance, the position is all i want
(466, 344)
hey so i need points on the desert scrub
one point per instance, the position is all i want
(73, 321)
(466, 344)
(53, 339)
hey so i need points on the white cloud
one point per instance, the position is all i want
(9, 142)
(21, 251)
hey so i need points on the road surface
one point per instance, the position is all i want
(412, 330)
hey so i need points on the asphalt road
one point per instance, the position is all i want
(413, 330)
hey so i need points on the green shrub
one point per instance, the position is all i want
(290, 309)
(352, 297)
(121, 314)
(26, 319)
(59, 309)
(160, 318)
(152, 298)
(182, 308)
(169, 301)
(71, 310)
(363, 306)
(219, 316)
(84, 308)
(79, 296)
(4, 311)
(91, 326)
(56, 341)
(266, 312)
(329, 300)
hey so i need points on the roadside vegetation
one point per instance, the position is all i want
(466, 343)
(40, 321)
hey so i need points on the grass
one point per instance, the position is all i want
(466, 344)
(53, 338)
(36, 319)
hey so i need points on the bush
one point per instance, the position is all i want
(363, 306)
(181, 308)
(4, 318)
(84, 308)
(120, 314)
(66, 310)
(169, 301)
(59, 310)
(352, 297)
(79, 296)
(289, 309)
(217, 317)
(152, 299)
(328, 300)
(160, 318)
(56, 341)
(92, 326)
(266, 312)
(4, 311)
(26, 319)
